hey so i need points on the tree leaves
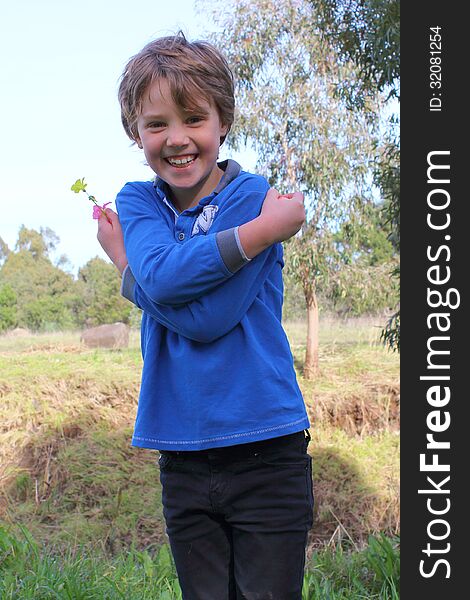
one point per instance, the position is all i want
(286, 77)
(290, 72)
(37, 294)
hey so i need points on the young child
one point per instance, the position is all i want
(200, 255)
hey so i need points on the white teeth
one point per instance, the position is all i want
(181, 161)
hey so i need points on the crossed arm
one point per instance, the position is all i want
(215, 302)
(214, 314)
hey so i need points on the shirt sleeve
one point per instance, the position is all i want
(216, 313)
(170, 272)
(155, 256)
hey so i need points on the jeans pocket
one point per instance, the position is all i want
(164, 462)
(290, 456)
(310, 491)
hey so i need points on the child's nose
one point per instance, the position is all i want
(177, 136)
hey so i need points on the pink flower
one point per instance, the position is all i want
(97, 210)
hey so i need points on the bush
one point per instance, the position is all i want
(8, 308)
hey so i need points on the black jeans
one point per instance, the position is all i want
(238, 517)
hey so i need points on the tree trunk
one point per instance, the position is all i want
(311, 354)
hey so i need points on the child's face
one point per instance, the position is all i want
(181, 147)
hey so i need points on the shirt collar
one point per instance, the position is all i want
(230, 168)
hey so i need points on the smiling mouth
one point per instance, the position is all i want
(181, 161)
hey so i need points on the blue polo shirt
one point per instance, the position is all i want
(217, 366)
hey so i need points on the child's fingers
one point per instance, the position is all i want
(108, 216)
(298, 196)
(294, 196)
(271, 194)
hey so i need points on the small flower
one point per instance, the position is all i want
(80, 186)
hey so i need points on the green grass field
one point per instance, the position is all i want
(80, 508)
(30, 571)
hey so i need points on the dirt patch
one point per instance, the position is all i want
(43, 421)
(352, 501)
(376, 409)
(88, 485)
(334, 524)
(35, 471)
(5, 389)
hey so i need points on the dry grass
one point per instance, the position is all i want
(67, 470)
(357, 387)
(356, 485)
(338, 332)
(59, 341)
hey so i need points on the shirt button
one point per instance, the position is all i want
(181, 236)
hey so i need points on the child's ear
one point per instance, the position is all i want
(224, 129)
(138, 142)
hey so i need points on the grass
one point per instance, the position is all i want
(69, 477)
(67, 341)
(374, 572)
(29, 571)
(356, 486)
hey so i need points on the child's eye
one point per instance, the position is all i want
(194, 120)
(156, 125)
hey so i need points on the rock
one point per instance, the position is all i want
(113, 335)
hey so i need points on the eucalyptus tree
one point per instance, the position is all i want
(289, 110)
(368, 33)
(4, 250)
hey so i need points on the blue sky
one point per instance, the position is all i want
(60, 64)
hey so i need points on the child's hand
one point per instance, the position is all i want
(111, 239)
(281, 216)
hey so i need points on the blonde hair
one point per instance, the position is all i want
(192, 70)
